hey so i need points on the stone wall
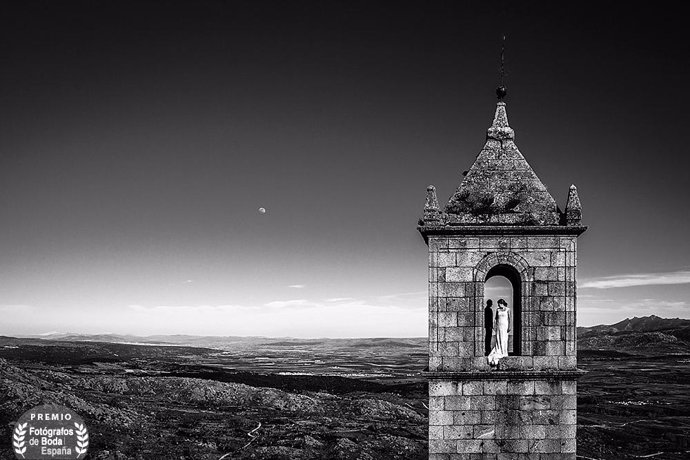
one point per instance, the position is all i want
(525, 408)
(457, 271)
(502, 418)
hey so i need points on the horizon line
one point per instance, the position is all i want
(47, 335)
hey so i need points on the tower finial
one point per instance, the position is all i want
(501, 90)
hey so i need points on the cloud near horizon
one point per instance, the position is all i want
(293, 303)
(393, 315)
(280, 318)
(641, 306)
(402, 314)
(638, 279)
(333, 317)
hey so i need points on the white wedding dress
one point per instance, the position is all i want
(501, 324)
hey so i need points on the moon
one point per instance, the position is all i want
(262, 210)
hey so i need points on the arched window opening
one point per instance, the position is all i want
(503, 282)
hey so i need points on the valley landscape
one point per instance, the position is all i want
(185, 397)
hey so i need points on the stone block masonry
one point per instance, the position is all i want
(457, 270)
(506, 413)
(527, 406)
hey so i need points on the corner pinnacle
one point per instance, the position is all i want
(431, 209)
(573, 208)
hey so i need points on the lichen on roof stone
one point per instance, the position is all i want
(501, 187)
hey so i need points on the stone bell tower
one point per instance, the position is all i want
(502, 221)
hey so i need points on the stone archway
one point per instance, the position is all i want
(513, 277)
(517, 271)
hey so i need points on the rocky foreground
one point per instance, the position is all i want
(166, 417)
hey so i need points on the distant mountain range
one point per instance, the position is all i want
(235, 342)
(644, 324)
(647, 335)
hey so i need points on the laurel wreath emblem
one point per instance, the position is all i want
(18, 438)
(82, 439)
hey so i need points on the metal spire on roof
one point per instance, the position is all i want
(501, 90)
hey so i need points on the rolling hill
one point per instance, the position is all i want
(648, 335)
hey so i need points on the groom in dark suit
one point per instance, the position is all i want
(488, 326)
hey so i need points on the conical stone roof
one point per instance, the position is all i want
(501, 188)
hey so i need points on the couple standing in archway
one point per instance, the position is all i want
(496, 329)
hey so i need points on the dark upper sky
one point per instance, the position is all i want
(139, 138)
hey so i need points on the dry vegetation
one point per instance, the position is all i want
(290, 399)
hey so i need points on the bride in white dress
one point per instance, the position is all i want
(502, 329)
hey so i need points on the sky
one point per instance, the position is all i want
(138, 140)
